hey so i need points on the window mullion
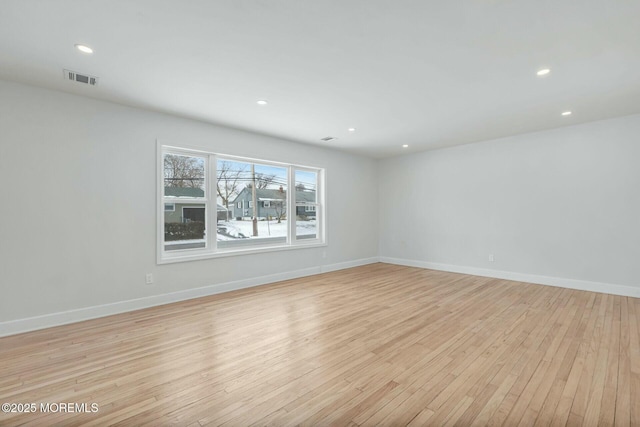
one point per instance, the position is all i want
(212, 205)
(291, 206)
(320, 206)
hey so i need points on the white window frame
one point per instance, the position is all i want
(173, 207)
(211, 249)
(319, 203)
(186, 201)
(266, 204)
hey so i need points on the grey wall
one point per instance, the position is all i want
(562, 203)
(78, 217)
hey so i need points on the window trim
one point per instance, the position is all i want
(210, 250)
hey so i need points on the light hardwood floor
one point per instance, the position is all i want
(373, 345)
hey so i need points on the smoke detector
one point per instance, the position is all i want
(80, 77)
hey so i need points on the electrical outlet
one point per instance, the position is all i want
(491, 258)
(149, 279)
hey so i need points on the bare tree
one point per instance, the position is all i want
(280, 206)
(263, 181)
(281, 210)
(183, 171)
(229, 180)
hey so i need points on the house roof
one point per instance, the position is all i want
(306, 196)
(276, 194)
(183, 192)
(188, 192)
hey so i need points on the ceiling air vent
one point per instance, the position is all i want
(328, 138)
(80, 78)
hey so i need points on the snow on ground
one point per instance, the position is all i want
(235, 229)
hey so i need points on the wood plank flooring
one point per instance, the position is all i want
(373, 345)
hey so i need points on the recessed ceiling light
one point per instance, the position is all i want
(351, 129)
(262, 102)
(543, 72)
(405, 146)
(566, 113)
(84, 49)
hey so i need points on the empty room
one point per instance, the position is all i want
(319, 213)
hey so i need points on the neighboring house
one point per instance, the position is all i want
(187, 212)
(271, 203)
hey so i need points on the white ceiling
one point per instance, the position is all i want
(424, 73)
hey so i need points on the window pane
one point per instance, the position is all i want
(185, 227)
(235, 188)
(306, 229)
(306, 183)
(184, 176)
(306, 199)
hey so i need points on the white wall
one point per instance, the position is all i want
(78, 216)
(556, 207)
(78, 211)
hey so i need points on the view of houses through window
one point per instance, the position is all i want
(253, 207)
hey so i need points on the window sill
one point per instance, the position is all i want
(185, 257)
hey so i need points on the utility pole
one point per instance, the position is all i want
(255, 201)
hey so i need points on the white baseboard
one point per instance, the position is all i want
(583, 285)
(18, 326)
(348, 264)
